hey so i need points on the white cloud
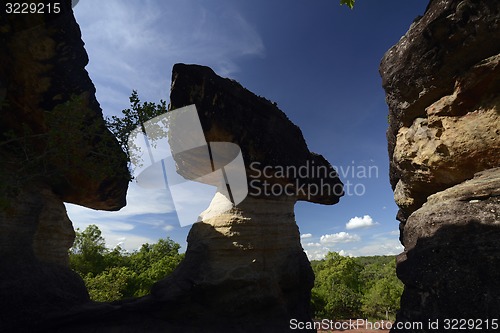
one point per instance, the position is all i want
(345, 254)
(305, 236)
(347, 244)
(340, 237)
(168, 228)
(360, 222)
(139, 201)
(381, 246)
(128, 242)
(316, 251)
(142, 210)
(316, 254)
(327, 243)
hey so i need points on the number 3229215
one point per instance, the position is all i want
(32, 8)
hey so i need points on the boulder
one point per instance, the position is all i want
(440, 79)
(50, 112)
(442, 83)
(450, 265)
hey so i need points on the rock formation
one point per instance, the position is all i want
(442, 82)
(247, 265)
(54, 147)
(244, 271)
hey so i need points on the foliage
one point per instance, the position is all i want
(153, 262)
(345, 287)
(87, 256)
(354, 287)
(383, 296)
(337, 287)
(133, 118)
(112, 275)
(348, 3)
(110, 285)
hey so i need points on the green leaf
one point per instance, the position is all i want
(348, 3)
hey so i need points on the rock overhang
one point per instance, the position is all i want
(276, 157)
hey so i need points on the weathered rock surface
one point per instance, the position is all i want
(442, 82)
(244, 269)
(54, 147)
(452, 254)
(47, 94)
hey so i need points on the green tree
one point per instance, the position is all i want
(132, 118)
(350, 287)
(87, 255)
(337, 291)
(153, 262)
(382, 297)
(111, 285)
(112, 275)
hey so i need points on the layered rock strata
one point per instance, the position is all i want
(442, 82)
(244, 270)
(452, 254)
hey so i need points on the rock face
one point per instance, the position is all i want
(49, 100)
(54, 147)
(452, 254)
(442, 83)
(244, 270)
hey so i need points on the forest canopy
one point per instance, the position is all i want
(345, 287)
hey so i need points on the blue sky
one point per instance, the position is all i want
(317, 60)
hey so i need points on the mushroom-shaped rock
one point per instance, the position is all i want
(273, 148)
(244, 266)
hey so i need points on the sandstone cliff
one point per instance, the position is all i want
(54, 147)
(442, 82)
